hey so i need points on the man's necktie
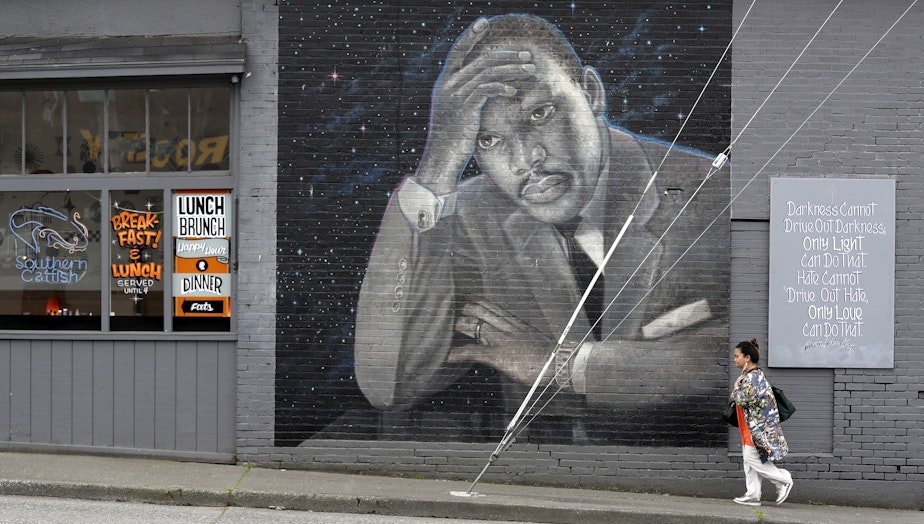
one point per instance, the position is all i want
(584, 269)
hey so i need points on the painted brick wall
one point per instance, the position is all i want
(869, 127)
(872, 127)
(256, 296)
(355, 89)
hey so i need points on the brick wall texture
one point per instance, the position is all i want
(351, 75)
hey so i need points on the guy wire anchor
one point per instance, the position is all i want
(471, 493)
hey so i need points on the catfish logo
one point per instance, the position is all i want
(29, 225)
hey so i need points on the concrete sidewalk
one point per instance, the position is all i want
(195, 484)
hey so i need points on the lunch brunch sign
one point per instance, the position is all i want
(202, 232)
(832, 272)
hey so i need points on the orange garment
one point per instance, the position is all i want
(743, 426)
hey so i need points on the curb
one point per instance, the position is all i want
(169, 496)
(328, 503)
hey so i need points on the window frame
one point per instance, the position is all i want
(165, 181)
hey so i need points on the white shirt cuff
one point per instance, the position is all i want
(579, 368)
(421, 207)
(677, 319)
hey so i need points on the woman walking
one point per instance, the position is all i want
(762, 440)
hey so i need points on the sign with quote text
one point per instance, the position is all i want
(832, 272)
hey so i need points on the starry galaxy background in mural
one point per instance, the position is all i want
(355, 84)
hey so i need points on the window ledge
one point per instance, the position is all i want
(118, 335)
(55, 58)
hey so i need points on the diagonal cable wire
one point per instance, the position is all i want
(728, 206)
(712, 171)
(775, 154)
(763, 167)
(508, 433)
(791, 66)
(648, 186)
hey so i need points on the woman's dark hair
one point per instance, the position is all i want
(750, 348)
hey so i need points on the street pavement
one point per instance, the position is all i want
(218, 485)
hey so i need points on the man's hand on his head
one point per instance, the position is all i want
(463, 88)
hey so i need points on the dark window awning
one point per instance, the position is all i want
(123, 56)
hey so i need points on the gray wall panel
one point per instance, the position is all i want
(103, 394)
(40, 387)
(226, 406)
(82, 389)
(123, 409)
(187, 410)
(20, 398)
(174, 396)
(811, 428)
(121, 17)
(145, 390)
(61, 386)
(165, 400)
(5, 363)
(207, 396)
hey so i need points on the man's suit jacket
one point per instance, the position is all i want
(490, 250)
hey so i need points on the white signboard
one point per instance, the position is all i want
(202, 215)
(202, 229)
(832, 272)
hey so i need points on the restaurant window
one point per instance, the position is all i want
(83, 131)
(209, 130)
(50, 263)
(94, 184)
(136, 265)
(202, 229)
(43, 151)
(85, 124)
(126, 131)
(10, 131)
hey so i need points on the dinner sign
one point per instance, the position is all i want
(202, 233)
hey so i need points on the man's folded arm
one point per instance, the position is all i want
(404, 322)
(677, 349)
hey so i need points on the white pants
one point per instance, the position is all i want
(755, 471)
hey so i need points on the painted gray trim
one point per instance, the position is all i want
(155, 394)
(215, 458)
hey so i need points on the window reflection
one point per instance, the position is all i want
(50, 260)
(169, 129)
(210, 128)
(136, 269)
(10, 132)
(85, 123)
(52, 271)
(126, 131)
(115, 130)
(45, 142)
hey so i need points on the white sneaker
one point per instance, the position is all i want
(783, 493)
(747, 501)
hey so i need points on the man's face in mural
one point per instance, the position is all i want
(543, 147)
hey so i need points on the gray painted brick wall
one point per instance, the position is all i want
(256, 294)
(871, 126)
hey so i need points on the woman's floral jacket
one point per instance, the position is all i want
(755, 397)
